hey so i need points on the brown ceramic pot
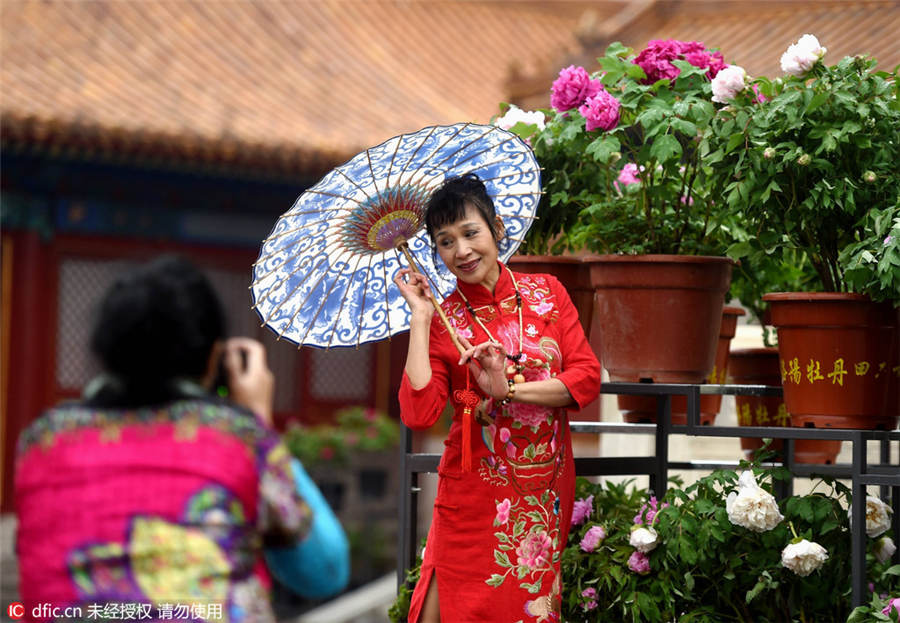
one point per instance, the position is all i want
(659, 315)
(643, 408)
(836, 355)
(759, 366)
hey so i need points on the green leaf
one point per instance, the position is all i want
(602, 148)
(502, 559)
(665, 147)
(733, 141)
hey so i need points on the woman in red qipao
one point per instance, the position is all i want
(506, 489)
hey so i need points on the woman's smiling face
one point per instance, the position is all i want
(469, 250)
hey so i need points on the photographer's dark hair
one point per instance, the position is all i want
(448, 203)
(157, 323)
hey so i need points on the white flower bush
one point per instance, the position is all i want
(752, 507)
(803, 557)
(643, 540)
(801, 56)
(728, 83)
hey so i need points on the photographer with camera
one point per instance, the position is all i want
(154, 491)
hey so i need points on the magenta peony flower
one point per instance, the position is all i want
(639, 563)
(592, 538)
(534, 550)
(502, 512)
(582, 509)
(572, 88)
(893, 604)
(600, 111)
(656, 59)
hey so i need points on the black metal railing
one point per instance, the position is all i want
(859, 471)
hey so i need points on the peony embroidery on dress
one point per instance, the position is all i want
(527, 550)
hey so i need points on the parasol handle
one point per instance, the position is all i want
(409, 258)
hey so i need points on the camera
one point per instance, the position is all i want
(220, 385)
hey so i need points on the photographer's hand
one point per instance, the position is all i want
(250, 380)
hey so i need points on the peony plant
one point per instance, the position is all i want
(807, 164)
(721, 549)
(623, 152)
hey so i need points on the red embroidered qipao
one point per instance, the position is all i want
(498, 530)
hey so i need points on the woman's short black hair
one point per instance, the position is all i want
(449, 202)
(158, 322)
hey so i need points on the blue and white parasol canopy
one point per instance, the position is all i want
(324, 276)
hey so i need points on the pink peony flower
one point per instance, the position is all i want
(760, 98)
(800, 57)
(639, 563)
(600, 112)
(502, 512)
(534, 550)
(504, 434)
(592, 538)
(582, 509)
(572, 88)
(893, 604)
(650, 509)
(590, 595)
(628, 176)
(728, 83)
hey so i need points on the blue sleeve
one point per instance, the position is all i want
(318, 566)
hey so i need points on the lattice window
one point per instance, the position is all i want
(341, 374)
(82, 283)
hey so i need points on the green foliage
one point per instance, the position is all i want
(660, 130)
(357, 429)
(399, 610)
(707, 569)
(813, 171)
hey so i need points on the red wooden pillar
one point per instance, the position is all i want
(29, 316)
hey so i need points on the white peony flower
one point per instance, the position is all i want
(804, 557)
(878, 514)
(728, 83)
(801, 56)
(884, 549)
(643, 539)
(752, 507)
(515, 115)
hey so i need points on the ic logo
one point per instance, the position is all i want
(15, 610)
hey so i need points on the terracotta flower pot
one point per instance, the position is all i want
(571, 272)
(836, 353)
(643, 408)
(759, 366)
(659, 314)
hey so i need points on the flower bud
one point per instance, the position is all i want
(615, 156)
(869, 176)
(803, 160)
(769, 153)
